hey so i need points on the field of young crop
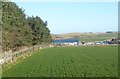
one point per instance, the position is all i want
(86, 61)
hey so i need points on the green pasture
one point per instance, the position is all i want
(85, 61)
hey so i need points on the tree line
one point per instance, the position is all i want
(19, 30)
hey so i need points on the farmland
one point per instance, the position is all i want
(85, 61)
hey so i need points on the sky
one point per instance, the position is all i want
(67, 17)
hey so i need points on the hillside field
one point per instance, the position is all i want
(85, 61)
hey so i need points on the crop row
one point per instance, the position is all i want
(68, 62)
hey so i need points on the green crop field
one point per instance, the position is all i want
(85, 61)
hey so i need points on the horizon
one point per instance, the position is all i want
(90, 32)
(69, 17)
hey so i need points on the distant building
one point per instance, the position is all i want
(109, 32)
(66, 42)
(115, 41)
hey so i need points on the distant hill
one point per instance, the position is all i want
(87, 37)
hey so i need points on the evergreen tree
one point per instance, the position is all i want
(21, 31)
